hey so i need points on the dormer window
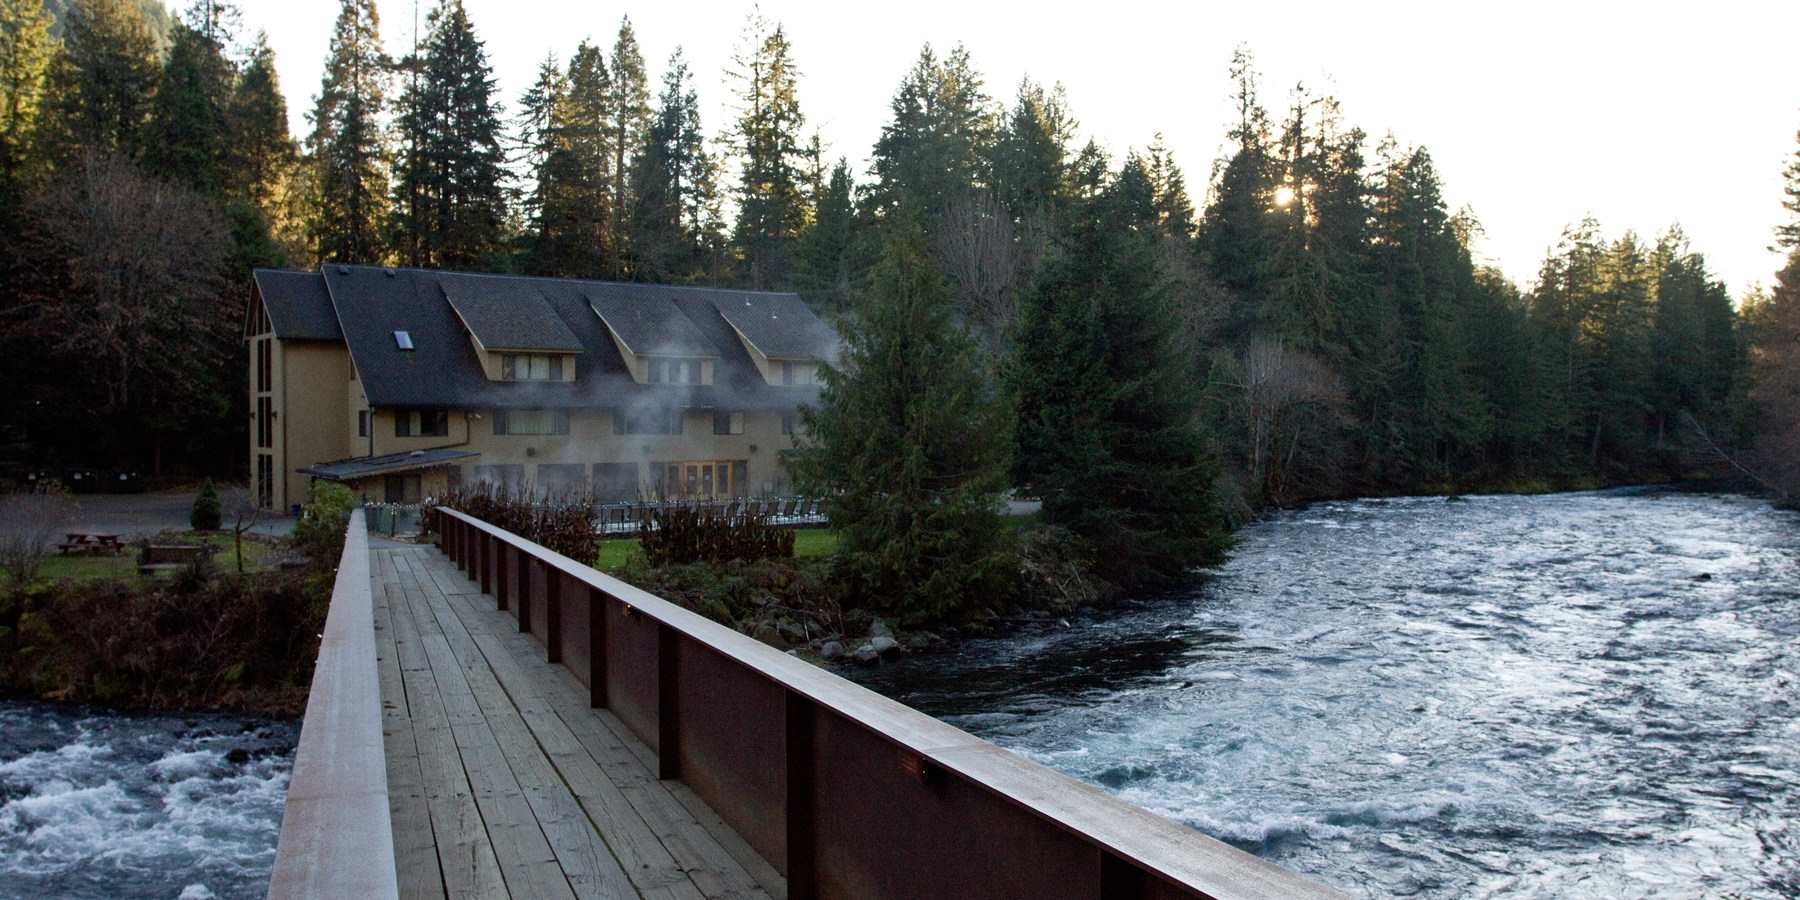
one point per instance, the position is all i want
(677, 371)
(799, 372)
(531, 367)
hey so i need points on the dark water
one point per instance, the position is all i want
(103, 805)
(1570, 696)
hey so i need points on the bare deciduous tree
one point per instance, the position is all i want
(130, 290)
(986, 257)
(240, 503)
(30, 522)
(1291, 405)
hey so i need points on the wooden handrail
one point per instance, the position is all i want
(337, 837)
(845, 792)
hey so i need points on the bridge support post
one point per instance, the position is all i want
(802, 819)
(668, 703)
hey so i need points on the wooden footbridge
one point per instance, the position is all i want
(497, 720)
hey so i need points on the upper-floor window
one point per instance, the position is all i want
(726, 422)
(647, 420)
(531, 367)
(421, 423)
(677, 371)
(799, 372)
(531, 421)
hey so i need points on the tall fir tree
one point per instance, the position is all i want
(674, 192)
(831, 266)
(569, 236)
(260, 153)
(26, 51)
(1028, 160)
(188, 130)
(772, 203)
(347, 149)
(929, 156)
(628, 121)
(910, 440)
(1787, 234)
(103, 84)
(450, 197)
(1107, 432)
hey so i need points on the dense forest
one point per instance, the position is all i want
(1315, 326)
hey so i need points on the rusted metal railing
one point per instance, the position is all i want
(337, 838)
(845, 792)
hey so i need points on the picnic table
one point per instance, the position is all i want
(90, 542)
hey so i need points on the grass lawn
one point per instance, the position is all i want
(84, 567)
(807, 542)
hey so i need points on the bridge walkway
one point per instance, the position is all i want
(503, 782)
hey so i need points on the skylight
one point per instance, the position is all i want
(403, 339)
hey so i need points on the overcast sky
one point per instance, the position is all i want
(1537, 113)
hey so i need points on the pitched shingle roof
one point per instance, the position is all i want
(647, 321)
(298, 304)
(507, 313)
(778, 325)
(442, 369)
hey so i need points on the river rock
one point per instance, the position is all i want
(879, 629)
(884, 645)
(832, 651)
(866, 655)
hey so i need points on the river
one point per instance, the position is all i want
(96, 804)
(1591, 695)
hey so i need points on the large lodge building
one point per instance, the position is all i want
(402, 383)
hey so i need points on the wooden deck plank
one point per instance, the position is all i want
(715, 870)
(504, 783)
(465, 855)
(527, 864)
(585, 859)
(649, 865)
(415, 851)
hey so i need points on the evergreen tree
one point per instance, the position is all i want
(1694, 358)
(260, 153)
(1028, 160)
(910, 440)
(25, 54)
(103, 84)
(189, 134)
(450, 197)
(1107, 432)
(830, 261)
(1775, 397)
(569, 235)
(674, 186)
(627, 125)
(929, 156)
(347, 148)
(772, 208)
(1236, 237)
(1787, 234)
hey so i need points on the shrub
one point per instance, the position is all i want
(674, 537)
(319, 533)
(196, 639)
(206, 512)
(564, 524)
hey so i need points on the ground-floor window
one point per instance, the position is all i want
(265, 480)
(561, 480)
(703, 479)
(402, 488)
(511, 477)
(615, 482)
